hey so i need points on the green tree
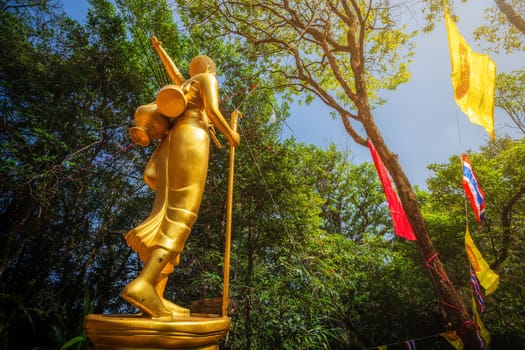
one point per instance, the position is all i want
(345, 54)
(354, 205)
(505, 27)
(502, 235)
(357, 266)
(279, 213)
(73, 183)
(70, 178)
(510, 96)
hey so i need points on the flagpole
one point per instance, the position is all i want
(464, 194)
(229, 205)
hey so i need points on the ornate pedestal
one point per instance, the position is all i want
(123, 332)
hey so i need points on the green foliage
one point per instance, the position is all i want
(500, 175)
(353, 203)
(304, 46)
(57, 333)
(355, 280)
(68, 175)
(498, 34)
(314, 261)
(510, 96)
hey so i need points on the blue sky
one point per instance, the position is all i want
(420, 122)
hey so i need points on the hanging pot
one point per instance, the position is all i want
(171, 101)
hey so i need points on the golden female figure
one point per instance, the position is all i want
(177, 172)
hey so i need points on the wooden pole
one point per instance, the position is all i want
(229, 205)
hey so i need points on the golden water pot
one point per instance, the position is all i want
(171, 101)
(149, 125)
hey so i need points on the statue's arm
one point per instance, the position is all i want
(210, 96)
(168, 63)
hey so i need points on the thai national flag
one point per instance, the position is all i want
(410, 345)
(477, 290)
(472, 189)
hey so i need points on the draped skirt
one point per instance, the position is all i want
(177, 173)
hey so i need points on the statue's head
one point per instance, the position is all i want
(202, 64)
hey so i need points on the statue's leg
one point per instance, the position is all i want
(175, 230)
(141, 291)
(161, 287)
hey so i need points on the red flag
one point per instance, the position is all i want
(402, 226)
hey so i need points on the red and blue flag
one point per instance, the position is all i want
(410, 345)
(472, 189)
(474, 282)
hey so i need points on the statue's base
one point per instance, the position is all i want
(123, 332)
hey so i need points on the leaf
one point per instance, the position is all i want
(72, 342)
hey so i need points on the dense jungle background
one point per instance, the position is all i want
(315, 262)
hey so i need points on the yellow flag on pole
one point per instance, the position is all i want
(453, 339)
(487, 278)
(485, 335)
(473, 79)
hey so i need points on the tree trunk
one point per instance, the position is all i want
(506, 220)
(454, 310)
(14, 229)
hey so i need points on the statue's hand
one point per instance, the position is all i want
(234, 118)
(235, 139)
(236, 115)
(156, 43)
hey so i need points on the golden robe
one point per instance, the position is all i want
(177, 172)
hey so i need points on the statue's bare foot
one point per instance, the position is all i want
(175, 309)
(143, 295)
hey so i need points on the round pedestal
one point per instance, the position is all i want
(140, 332)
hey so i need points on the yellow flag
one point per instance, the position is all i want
(382, 347)
(487, 278)
(453, 339)
(473, 79)
(485, 335)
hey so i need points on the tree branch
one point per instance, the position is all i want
(506, 219)
(514, 18)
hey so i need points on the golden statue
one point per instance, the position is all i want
(183, 117)
(177, 172)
